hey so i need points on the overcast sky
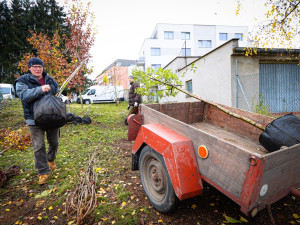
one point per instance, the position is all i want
(124, 24)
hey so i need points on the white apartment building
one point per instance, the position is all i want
(171, 40)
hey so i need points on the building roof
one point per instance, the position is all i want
(120, 62)
(182, 57)
(233, 39)
(242, 50)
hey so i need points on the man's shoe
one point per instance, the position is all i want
(43, 179)
(52, 165)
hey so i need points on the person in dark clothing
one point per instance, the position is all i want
(30, 87)
(134, 98)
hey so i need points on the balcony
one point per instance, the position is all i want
(141, 61)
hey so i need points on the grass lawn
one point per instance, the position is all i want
(106, 135)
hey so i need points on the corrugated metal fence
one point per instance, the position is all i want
(276, 89)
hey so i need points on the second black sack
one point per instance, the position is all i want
(49, 112)
(284, 131)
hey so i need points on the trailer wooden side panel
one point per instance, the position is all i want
(282, 171)
(187, 112)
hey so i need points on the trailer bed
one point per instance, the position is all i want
(241, 142)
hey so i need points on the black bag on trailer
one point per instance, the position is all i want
(284, 131)
(49, 112)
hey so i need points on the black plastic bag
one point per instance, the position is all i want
(284, 131)
(77, 120)
(70, 117)
(49, 112)
(86, 120)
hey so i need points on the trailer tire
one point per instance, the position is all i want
(156, 181)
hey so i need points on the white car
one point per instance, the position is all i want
(7, 91)
(64, 99)
(100, 94)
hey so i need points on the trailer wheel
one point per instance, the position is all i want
(156, 181)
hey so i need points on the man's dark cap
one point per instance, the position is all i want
(35, 61)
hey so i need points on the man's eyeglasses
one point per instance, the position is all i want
(37, 67)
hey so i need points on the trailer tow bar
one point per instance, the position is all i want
(296, 192)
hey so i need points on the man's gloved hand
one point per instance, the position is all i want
(136, 104)
(128, 107)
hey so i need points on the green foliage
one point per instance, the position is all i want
(260, 107)
(151, 88)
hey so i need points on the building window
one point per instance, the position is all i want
(189, 86)
(204, 43)
(155, 66)
(239, 36)
(186, 52)
(223, 36)
(169, 35)
(185, 36)
(155, 51)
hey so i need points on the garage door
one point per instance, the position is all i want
(279, 87)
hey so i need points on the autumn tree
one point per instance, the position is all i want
(116, 80)
(80, 19)
(281, 28)
(17, 18)
(61, 62)
(48, 50)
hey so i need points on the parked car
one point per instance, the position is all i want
(65, 99)
(100, 94)
(7, 90)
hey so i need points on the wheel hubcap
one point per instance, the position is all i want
(155, 179)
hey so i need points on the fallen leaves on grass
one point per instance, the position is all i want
(296, 216)
(230, 219)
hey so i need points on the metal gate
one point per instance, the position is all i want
(279, 87)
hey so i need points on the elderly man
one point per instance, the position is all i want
(30, 87)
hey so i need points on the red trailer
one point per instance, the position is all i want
(178, 146)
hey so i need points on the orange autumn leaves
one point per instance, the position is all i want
(63, 54)
(16, 139)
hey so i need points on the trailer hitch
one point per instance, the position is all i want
(295, 192)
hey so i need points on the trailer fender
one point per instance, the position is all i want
(178, 154)
(134, 124)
